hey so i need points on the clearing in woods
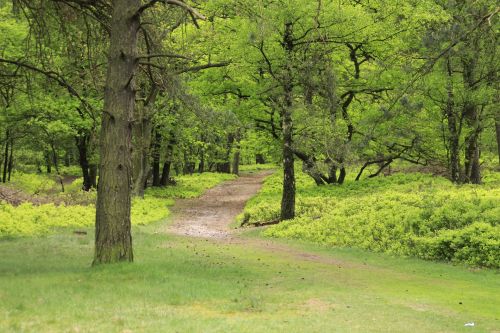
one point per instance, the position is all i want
(196, 274)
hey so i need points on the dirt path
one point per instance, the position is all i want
(210, 215)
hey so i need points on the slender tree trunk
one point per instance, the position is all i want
(288, 195)
(236, 154)
(6, 157)
(259, 159)
(165, 175)
(11, 160)
(81, 144)
(497, 129)
(56, 165)
(93, 175)
(48, 163)
(472, 118)
(156, 158)
(236, 162)
(453, 132)
(201, 165)
(113, 242)
(141, 141)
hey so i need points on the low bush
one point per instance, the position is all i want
(32, 183)
(406, 214)
(28, 219)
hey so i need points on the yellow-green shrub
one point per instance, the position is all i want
(407, 214)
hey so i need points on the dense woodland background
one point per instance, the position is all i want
(137, 93)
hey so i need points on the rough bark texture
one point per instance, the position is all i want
(288, 196)
(113, 238)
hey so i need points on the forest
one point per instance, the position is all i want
(267, 165)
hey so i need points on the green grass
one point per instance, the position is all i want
(406, 214)
(191, 285)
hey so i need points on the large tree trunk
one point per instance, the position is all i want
(288, 195)
(113, 238)
(81, 143)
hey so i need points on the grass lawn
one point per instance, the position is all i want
(191, 285)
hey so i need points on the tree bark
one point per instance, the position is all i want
(113, 238)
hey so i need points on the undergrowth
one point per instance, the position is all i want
(405, 214)
(28, 219)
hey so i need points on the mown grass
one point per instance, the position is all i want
(192, 285)
(407, 214)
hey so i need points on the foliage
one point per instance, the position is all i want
(32, 183)
(189, 186)
(405, 214)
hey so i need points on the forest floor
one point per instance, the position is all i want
(193, 273)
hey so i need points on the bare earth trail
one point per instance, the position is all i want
(211, 215)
